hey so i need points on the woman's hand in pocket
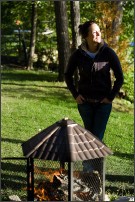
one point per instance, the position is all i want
(106, 100)
(80, 99)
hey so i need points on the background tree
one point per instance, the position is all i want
(33, 35)
(75, 22)
(62, 36)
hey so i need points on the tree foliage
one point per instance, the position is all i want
(104, 12)
(114, 30)
(128, 19)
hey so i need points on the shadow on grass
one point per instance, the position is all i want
(119, 190)
(32, 85)
(12, 140)
(7, 178)
(33, 90)
(16, 167)
(124, 155)
(13, 175)
(29, 76)
(54, 94)
(120, 178)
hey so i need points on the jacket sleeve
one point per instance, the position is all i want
(118, 73)
(69, 74)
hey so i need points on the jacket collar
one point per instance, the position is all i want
(83, 46)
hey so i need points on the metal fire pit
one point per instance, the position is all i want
(73, 147)
(53, 182)
(31, 179)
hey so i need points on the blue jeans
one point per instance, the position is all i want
(95, 117)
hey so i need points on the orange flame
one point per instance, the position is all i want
(44, 188)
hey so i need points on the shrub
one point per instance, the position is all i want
(128, 85)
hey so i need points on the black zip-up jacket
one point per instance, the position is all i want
(94, 74)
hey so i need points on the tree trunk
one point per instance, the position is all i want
(117, 20)
(33, 35)
(75, 22)
(62, 36)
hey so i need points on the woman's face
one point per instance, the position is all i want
(94, 34)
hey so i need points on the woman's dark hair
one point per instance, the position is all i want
(84, 28)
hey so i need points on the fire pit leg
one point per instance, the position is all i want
(30, 179)
(70, 181)
(103, 164)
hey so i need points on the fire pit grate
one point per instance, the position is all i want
(50, 180)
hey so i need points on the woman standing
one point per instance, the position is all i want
(95, 92)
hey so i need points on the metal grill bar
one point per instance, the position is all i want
(70, 181)
(30, 179)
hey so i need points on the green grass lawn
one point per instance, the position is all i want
(33, 100)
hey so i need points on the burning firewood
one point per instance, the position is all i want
(48, 191)
(86, 186)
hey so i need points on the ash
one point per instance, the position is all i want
(86, 186)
